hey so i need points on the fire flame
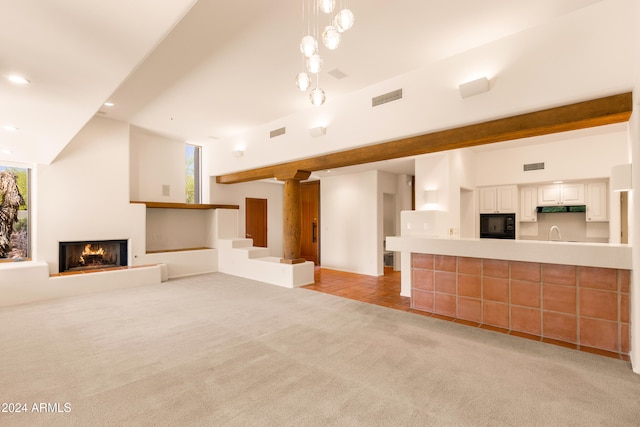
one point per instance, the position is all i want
(89, 250)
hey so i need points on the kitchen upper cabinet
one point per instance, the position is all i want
(561, 194)
(500, 199)
(528, 204)
(597, 202)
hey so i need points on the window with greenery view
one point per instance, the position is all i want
(14, 213)
(193, 167)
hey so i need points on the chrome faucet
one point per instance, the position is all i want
(555, 227)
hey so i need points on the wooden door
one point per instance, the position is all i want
(310, 230)
(256, 221)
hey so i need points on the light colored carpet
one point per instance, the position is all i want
(224, 351)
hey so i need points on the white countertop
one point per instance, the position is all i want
(605, 255)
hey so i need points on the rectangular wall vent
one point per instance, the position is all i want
(387, 97)
(277, 132)
(533, 166)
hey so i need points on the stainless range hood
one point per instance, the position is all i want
(560, 209)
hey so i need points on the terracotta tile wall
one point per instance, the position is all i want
(585, 307)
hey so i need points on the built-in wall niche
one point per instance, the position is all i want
(179, 226)
(92, 255)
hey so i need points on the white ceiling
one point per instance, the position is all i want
(210, 69)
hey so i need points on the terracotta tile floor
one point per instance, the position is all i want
(385, 291)
(382, 290)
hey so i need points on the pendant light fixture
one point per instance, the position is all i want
(317, 97)
(344, 20)
(303, 81)
(312, 13)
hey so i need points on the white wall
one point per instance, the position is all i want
(576, 155)
(171, 229)
(447, 173)
(634, 228)
(156, 161)
(84, 193)
(235, 194)
(634, 201)
(351, 232)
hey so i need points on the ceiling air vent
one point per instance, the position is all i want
(533, 166)
(387, 97)
(277, 132)
(337, 74)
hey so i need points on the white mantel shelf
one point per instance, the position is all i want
(604, 255)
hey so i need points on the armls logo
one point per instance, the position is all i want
(51, 407)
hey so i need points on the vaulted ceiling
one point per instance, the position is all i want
(205, 70)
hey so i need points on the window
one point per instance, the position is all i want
(14, 213)
(193, 167)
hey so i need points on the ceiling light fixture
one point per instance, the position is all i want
(19, 80)
(474, 87)
(7, 152)
(10, 128)
(109, 104)
(331, 37)
(318, 131)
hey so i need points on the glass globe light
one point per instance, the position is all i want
(308, 46)
(327, 5)
(331, 37)
(314, 64)
(303, 81)
(344, 20)
(317, 97)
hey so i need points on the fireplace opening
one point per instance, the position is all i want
(92, 255)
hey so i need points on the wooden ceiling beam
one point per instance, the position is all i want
(596, 112)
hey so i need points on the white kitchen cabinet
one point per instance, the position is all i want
(572, 194)
(597, 201)
(499, 199)
(561, 194)
(528, 204)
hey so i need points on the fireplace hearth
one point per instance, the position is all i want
(92, 255)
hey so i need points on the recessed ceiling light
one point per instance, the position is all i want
(109, 104)
(10, 128)
(7, 152)
(19, 80)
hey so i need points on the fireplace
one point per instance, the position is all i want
(92, 255)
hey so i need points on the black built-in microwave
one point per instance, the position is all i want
(498, 226)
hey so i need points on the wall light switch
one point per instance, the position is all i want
(166, 190)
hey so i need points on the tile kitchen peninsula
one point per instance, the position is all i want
(569, 292)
